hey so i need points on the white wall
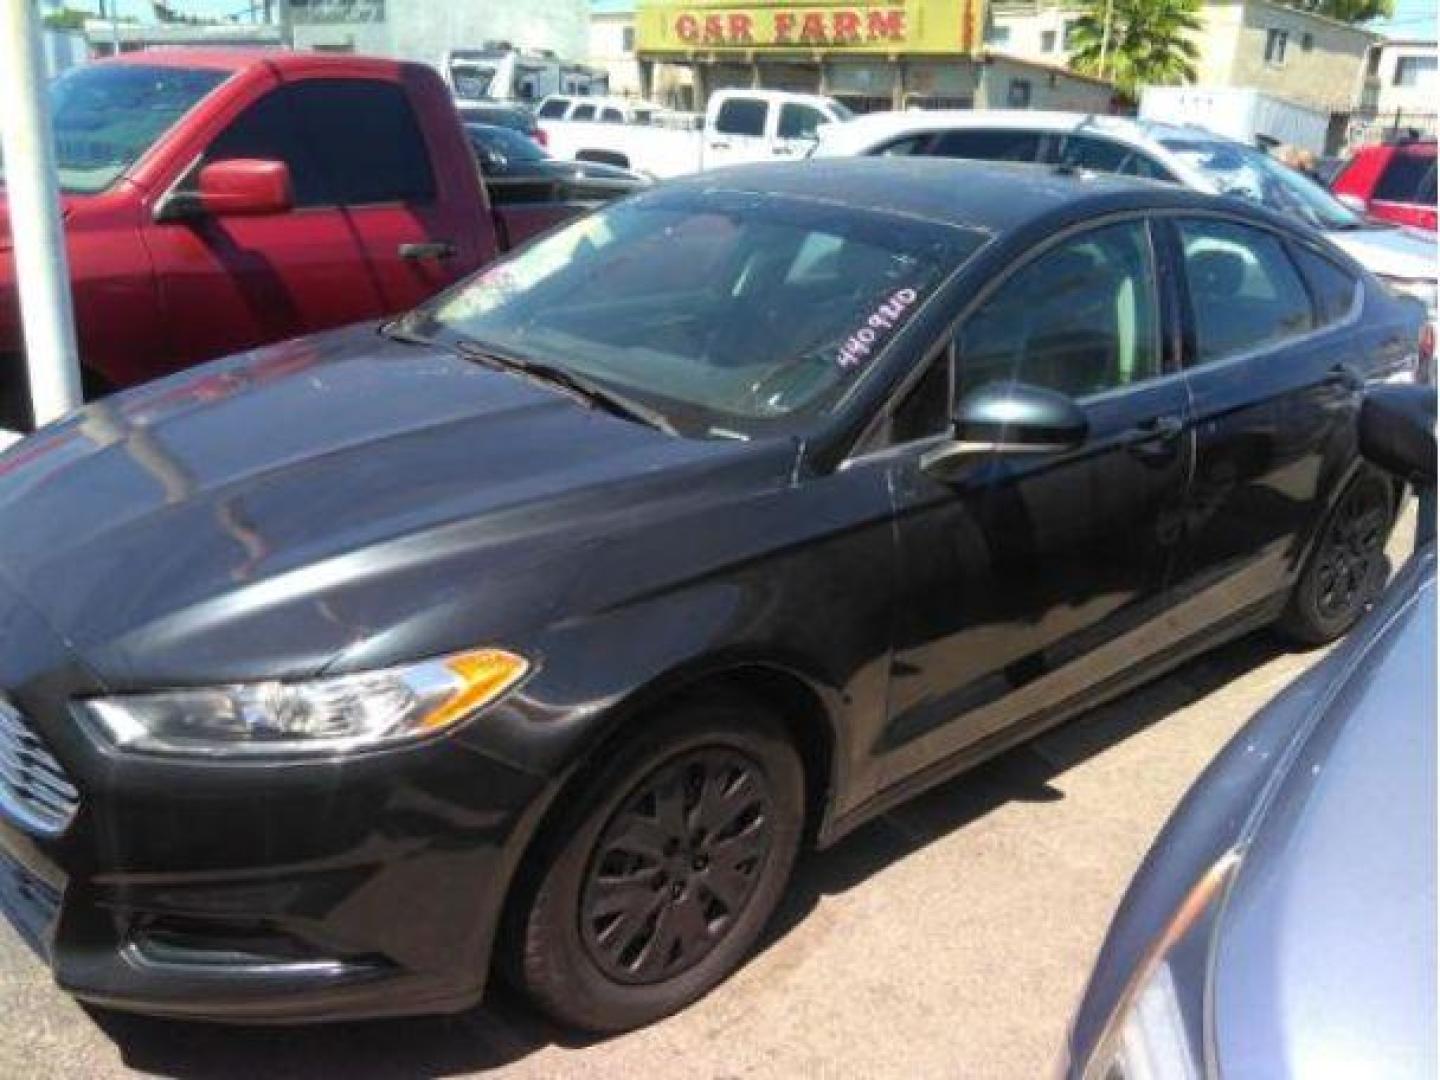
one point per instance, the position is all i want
(1424, 95)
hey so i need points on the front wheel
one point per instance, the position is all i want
(661, 877)
(1347, 568)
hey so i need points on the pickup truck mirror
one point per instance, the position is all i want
(245, 186)
(1008, 418)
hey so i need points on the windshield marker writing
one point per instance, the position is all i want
(863, 342)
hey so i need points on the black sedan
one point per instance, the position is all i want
(538, 630)
(517, 170)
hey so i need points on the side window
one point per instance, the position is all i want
(987, 144)
(800, 121)
(906, 147)
(925, 408)
(612, 116)
(553, 109)
(1405, 179)
(1146, 167)
(1098, 155)
(583, 112)
(311, 127)
(270, 130)
(1332, 286)
(1244, 291)
(741, 116)
(1081, 319)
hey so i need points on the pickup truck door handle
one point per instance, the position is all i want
(429, 249)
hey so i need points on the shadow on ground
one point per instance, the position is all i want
(503, 1031)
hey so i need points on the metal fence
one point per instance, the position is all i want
(1363, 127)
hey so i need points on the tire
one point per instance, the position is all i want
(1347, 567)
(627, 919)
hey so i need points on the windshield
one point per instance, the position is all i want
(1253, 174)
(721, 310)
(106, 116)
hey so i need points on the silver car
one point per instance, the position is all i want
(1283, 925)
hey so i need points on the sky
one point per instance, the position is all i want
(1412, 19)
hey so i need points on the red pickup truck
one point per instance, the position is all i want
(215, 201)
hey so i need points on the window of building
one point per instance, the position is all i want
(1245, 292)
(741, 116)
(997, 35)
(1276, 42)
(1372, 61)
(1048, 38)
(1081, 319)
(1068, 36)
(310, 127)
(627, 39)
(1307, 42)
(1019, 94)
(1414, 70)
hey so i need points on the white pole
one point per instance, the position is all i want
(1105, 36)
(41, 271)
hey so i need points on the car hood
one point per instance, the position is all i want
(155, 530)
(1389, 252)
(1324, 962)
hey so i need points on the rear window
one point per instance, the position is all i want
(987, 144)
(1409, 178)
(741, 116)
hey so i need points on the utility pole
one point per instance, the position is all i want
(287, 23)
(42, 272)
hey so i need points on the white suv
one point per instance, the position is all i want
(1192, 156)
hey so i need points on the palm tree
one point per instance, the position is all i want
(1145, 42)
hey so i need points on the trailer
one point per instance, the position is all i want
(1241, 113)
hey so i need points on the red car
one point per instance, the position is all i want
(1392, 181)
(215, 201)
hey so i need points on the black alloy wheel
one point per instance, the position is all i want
(661, 869)
(676, 865)
(1347, 567)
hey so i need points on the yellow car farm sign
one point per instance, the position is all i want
(894, 27)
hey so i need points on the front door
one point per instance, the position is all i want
(1030, 579)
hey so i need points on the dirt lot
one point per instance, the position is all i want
(950, 938)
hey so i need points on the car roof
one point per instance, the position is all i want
(279, 60)
(862, 129)
(993, 196)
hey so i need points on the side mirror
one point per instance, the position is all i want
(1008, 418)
(1397, 431)
(244, 186)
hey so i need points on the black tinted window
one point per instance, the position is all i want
(911, 144)
(989, 144)
(800, 121)
(741, 116)
(1098, 155)
(583, 112)
(1409, 178)
(1332, 286)
(925, 408)
(313, 128)
(1138, 164)
(1080, 319)
(1244, 291)
(613, 116)
(553, 109)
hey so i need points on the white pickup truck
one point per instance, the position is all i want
(739, 126)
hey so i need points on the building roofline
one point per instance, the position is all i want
(1040, 65)
(1326, 19)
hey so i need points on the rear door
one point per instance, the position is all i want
(1030, 580)
(1273, 375)
(737, 132)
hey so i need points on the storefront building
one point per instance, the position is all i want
(880, 55)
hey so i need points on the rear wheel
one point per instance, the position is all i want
(1347, 568)
(659, 880)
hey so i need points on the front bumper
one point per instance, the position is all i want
(345, 889)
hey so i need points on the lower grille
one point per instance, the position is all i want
(35, 793)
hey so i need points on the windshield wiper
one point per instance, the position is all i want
(576, 386)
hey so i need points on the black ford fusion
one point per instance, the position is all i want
(536, 631)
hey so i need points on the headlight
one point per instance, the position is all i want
(1156, 1030)
(1422, 289)
(321, 716)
